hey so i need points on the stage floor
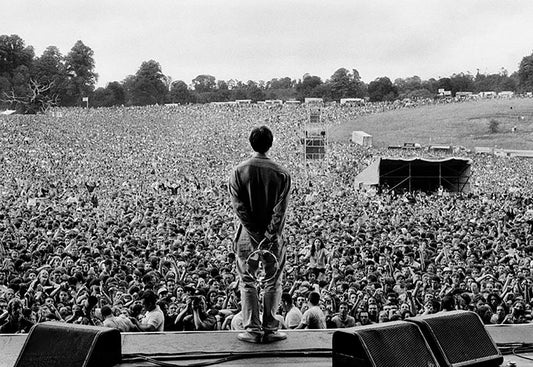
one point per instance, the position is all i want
(309, 348)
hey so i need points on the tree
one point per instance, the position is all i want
(382, 89)
(222, 85)
(223, 93)
(238, 93)
(410, 87)
(345, 84)
(253, 91)
(49, 65)
(322, 91)
(282, 88)
(15, 64)
(180, 93)
(127, 85)
(38, 100)
(461, 83)
(282, 83)
(494, 82)
(117, 91)
(307, 85)
(444, 83)
(79, 64)
(204, 83)
(507, 83)
(525, 74)
(100, 98)
(421, 93)
(50, 68)
(112, 95)
(14, 53)
(432, 85)
(148, 85)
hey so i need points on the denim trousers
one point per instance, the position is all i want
(246, 268)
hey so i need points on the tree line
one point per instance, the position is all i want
(31, 83)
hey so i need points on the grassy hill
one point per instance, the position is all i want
(459, 124)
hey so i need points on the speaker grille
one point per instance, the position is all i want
(384, 345)
(54, 344)
(74, 345)
(470, 344)
(460, 337)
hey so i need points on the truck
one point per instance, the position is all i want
(362, 138)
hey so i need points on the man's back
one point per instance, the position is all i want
(259, 191)
(260, 188)
(156, 318)
(293, 317)
(314, 318)
(120, 323)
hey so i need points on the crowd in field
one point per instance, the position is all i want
(102, 209)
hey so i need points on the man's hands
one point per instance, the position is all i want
(265, 244)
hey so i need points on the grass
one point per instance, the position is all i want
(458, 124)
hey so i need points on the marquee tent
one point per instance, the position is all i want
(452, 174)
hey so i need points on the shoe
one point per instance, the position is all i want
(249, 337)
(274, 337)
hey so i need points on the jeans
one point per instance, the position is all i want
(244, 246)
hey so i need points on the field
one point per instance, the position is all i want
(458, 124)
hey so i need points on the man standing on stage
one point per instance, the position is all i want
(259, 190)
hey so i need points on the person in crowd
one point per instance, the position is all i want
(343, 319)
(195, 316)
(293, 315)
(517, 314)
(15, 322)
(121, 323)
(364, 318)
(500, 315)
(154, 319)
(313, 317)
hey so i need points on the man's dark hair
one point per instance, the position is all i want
(150, 296)
(314, 298)
(106, 311)
(286, 298)
(261, 139)
(448, 303)
(92, 301)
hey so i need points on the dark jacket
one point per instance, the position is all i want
(259, 190)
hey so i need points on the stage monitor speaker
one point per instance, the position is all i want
(392, 344)
(55, 344)
(459, 338)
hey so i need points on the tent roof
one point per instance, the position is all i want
(371, 175)
(437, 160)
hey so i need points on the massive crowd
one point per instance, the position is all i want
(122, 217)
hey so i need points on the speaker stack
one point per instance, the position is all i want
(55, 344)
(390, 344)
(459, 338)
(452, 339)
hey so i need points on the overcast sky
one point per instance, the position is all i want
(265, 39)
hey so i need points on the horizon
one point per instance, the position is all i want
(275, 39)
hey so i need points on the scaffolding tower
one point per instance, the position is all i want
(315, 137)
